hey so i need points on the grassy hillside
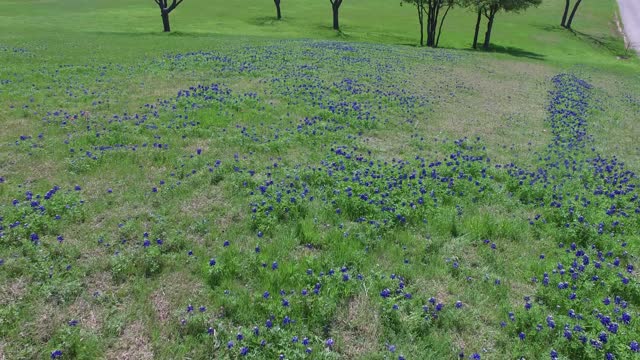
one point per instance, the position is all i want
(534, 34)
(247, 188)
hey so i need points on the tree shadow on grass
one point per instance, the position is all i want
(265, 20)
(606, 42)
(610, 43)
(513, 51)
(159, 33)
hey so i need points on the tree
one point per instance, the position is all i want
(419, 4)
(478, 7)
(165, 10)
(278, 8)
(335, 6)
(566, 23)
(567, 4)
(478, 20)
(490, 8)
(432, 9)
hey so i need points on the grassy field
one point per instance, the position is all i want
(245, 187)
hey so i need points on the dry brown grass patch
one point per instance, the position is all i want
(89, 315)
(203, 202)
(175, 289)
(503, 102)
(100, 283)
(13, 291)
(134, 343)
(359, 328)
(45, 323)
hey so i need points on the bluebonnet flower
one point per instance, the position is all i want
(56, 354)
(329, 343)
(626, 318)
(550, 323)
(634, 346)
(244, 351)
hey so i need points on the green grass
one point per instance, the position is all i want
(534, 34)
(293, 99)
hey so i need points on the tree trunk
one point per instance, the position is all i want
(430, 34)
(165, 21)
(475, 36)
(442, 23)
(278, 9)
(434, 22)
(573, 13)
(567, 3)
(421, 21)
(487, 35)
(336, 24)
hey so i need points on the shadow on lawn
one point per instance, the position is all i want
(513, 51)
(610, 43)
(265, 20)
(606, 42)
(158, 33)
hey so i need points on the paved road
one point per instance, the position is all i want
(630, 13)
